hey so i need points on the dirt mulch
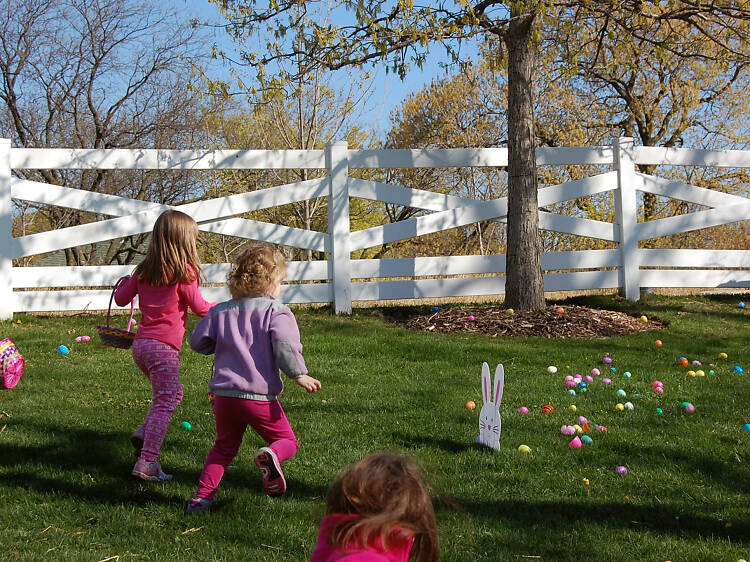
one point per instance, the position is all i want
(574, 322)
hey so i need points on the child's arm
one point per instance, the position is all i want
(202, 339)
(126, 291)
(192, 295)
(287, 349)
(308, 383)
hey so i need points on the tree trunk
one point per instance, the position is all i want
(524, 285)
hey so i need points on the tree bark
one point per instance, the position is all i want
(524, 285)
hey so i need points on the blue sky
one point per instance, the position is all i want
(389, 89)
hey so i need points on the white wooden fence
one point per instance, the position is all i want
(25, 289)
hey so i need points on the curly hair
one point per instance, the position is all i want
(255, 271)
(392, 502)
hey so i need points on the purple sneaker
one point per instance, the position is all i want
(273, 478)
(196, 506)
(150, 471)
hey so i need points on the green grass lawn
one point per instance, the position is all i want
(65, 456)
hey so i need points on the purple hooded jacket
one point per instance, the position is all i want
(252, 338)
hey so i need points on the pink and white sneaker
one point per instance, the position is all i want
(150, 471)
(270, 468)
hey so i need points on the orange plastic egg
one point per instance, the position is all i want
(470, 405)
(547, 408)
(658, 343)
(560, 310)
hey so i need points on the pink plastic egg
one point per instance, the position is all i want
(690, 408)
(595, 372)
(607, 381)
(524, 410)
(589, 378)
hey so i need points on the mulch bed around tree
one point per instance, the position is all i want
(574, 322)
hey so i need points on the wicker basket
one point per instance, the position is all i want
(114, 337)
(12, 363)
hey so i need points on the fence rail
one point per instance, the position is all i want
(340, 279)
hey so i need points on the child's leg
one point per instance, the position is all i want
(161, 364)
(231, 422)
(270, 422)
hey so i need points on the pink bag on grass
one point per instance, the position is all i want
(11, 363)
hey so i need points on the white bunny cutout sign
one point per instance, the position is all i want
(489, 417)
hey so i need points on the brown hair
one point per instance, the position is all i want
(388, 494)
(255, 271)
(172, 251)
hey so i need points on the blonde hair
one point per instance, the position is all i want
(172, 256)
(255, 271)
(387, 493)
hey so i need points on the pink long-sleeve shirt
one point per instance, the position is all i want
(164, 310)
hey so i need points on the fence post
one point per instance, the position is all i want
(7, 301)
(337, 162)
(626, 208)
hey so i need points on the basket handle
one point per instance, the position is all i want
(111, 298)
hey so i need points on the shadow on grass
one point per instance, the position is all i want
(95, 466)
(556, 517)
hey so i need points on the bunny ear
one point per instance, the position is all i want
(499, 383)
(486, 383)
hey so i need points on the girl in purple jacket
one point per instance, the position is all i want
(252, 336)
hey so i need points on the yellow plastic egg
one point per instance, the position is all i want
(620, 407)
(524, 449)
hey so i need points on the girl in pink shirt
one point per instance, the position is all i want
(378, 511)
(166, 283)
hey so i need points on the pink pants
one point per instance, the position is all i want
(161, 364)
(233, 415)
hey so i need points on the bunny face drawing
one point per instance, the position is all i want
(489, 418)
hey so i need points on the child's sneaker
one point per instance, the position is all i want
(273, 479)
(137, 441)
(150, 471)
(196, 506)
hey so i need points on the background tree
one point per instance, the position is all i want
(98, 74)
(400, 34)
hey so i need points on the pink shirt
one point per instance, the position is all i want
(374, 553)
(164, 310)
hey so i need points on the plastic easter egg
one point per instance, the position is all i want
(572, 392)
(627, 374)
(659, 389)
(684, 362)
(644, 318)
(741, 304)
(700, 373)
(589, 378)
(62, 349)
(607, 381)
(658, 343)
(607, 360)
(722, 355)
(696, 363)
(570, 383)
(560, 310)
(567, 430)
(659, 412)
(524, 410)
(690, 373)
(683, 404)
(186, 425)
(711, 372)
(621, 470)
(471, 318)
(657, 383)
(568, 377)
(582, 384)
(470, 405)
(578, 429)
(572, 408)
(690, 408)
(510, 311)
(613, 369)
(548, 408)
(575, 443)
(552, 369)
(621, 393)
(601, 428)
(595, 372)
(435, 309)
(628, 405)
(619, 407)
(524, 449)
(739, 370)
(582, 419)
(746, 427)
(585, 481)
(586, 440)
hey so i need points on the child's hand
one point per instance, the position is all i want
(308, 383)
